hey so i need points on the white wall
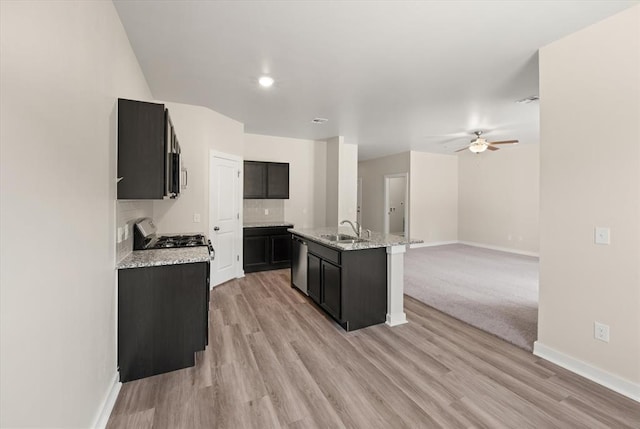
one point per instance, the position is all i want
(372, 173)
(199, 130)
(590, 176)
(332, 190)
(348, 182)
(307, 160)
(62, 67)
(433, 197)
(498, 201)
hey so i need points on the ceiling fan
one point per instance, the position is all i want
(480, 144)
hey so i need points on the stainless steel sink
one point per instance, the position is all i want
(343, 238)
(337, 237)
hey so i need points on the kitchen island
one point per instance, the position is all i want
(357, 280)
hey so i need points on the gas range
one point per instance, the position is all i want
(173, 241)
(145, 238)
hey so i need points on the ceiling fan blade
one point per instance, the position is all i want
(505, 142)
(492, 148)
(464, 148)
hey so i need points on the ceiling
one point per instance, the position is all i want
(389, 76)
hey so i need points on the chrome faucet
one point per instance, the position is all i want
(357, 230)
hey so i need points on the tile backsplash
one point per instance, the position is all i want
(263, 210)
(126, 213)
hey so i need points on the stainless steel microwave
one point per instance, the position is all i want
(172, 160)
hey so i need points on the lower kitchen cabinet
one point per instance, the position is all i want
(332, 288)
(162, 318)
(351, 286)
(266, 248)
(314, 277)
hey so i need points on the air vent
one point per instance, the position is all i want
(319, 120)
(528, 100)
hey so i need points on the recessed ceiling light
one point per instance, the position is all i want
(319, 120)
(528, 100)
(265, 81)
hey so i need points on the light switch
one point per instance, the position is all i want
(196, 217)
(120, 233)
(126, 232)
(602, 235)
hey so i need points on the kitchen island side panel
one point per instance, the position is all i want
(364, 291)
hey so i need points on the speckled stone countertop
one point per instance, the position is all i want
(377, 239)
(156, 257)
(273, 223)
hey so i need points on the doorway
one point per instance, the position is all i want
(359, 198)
(396, 207)
(224, 216)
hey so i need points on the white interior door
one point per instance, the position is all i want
(397, 186)
(224, 217)
(396, 196)
(359, 197)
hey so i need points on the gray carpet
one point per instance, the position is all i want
(494, 291)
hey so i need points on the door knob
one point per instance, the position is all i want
(216, 228)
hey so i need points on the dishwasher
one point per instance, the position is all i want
(299, 264)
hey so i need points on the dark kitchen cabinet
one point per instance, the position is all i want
(255, 180)
(266, 180)
(148, 152)
(351, 286)
(256, 253)
(266, 248)
(162, 318)
(278, 180)
(281, 248)
(331, 288)
(314, 282)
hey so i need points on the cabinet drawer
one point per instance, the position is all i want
(324, 252)
(266, 231)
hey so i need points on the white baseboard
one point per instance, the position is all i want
(431, 244)
(604, 378)
(500, 248)
(396, 319)
(104, 413)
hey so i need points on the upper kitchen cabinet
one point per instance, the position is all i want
(255, 179)
(266, 180)
(148, 152)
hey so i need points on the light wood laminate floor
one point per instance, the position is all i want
(274, 360)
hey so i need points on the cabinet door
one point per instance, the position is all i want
(141, 150)
(277, 180)
(281, 249)
(255, 179)
(313, 277)
(256, 253)
(331, 289)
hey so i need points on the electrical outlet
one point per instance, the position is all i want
(126, 232)
(120, 234)
(601, 331)
(266, 212)
(196, 217)
(602, 235)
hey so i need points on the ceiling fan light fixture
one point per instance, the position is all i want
(478, 146)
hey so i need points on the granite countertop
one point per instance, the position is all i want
(377, 239)
(156, 257)
(266, 224)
